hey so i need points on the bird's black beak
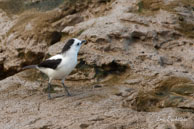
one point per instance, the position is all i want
(83, 41)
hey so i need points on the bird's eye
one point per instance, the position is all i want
(77, 44)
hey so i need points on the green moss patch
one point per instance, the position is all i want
(18, 6)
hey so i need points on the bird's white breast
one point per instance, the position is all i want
(66, 66)
(68, 63)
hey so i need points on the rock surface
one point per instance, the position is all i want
(135, 72)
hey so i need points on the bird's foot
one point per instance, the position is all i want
(49, 96)
(68, 94)
(66, 90)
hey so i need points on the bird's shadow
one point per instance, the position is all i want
(83, 92)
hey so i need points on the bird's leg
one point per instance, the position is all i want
(49, 90)
(68, 94)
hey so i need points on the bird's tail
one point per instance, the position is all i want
(29, 67)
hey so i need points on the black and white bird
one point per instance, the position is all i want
(60, 65)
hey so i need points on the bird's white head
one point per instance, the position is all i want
(73, 46)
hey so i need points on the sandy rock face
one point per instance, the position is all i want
(25, 39)
(136, 71)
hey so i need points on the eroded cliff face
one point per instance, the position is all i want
(136, 71)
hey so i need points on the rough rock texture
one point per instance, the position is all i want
(135, 72)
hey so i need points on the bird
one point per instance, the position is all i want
(61, 65)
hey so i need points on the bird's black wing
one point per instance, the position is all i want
(50, 63)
